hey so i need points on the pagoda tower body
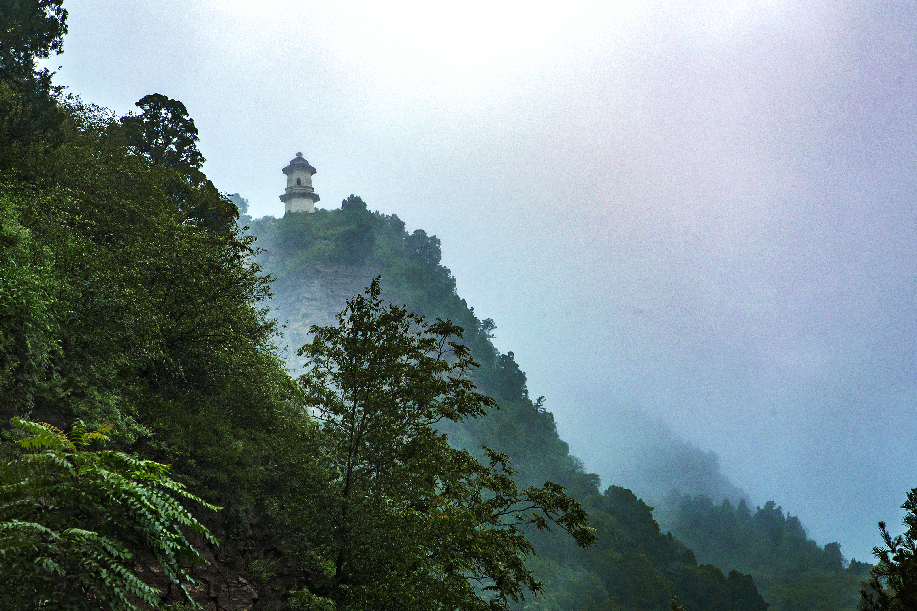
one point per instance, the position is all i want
(299, 195)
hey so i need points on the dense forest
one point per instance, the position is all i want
(165, 447)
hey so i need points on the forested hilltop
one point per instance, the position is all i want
(317, 259)
(157, 452)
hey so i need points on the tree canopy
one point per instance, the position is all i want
(164, 133)
(29, 30)
(791, 571)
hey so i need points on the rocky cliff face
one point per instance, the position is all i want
(219, 588)
(320, 293)
(256, 578)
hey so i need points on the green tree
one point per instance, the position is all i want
(72, 521)
(164, 133)
(27, 298)
(790, 570)
(116, 307)
(29, 30)
(119, 304)
(893, 583)
(408, 522)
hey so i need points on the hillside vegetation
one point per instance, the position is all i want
(131, 300)
(318, 259)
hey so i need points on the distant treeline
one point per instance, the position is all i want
(791, 571)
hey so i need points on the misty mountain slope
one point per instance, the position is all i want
(638, 452)
(318, 260)
(693, 499)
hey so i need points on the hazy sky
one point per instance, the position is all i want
(705, 209)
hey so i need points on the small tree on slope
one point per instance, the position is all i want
(893, 586)
(408, 522)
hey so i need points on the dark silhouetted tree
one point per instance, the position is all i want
(353, 204)
(893, 586)
(29, 30)
(164, 133)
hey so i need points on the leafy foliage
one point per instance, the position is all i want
(125, 310)
(29, 30)
(642, 568)
(165, 134)
(407, 516)
(128, 296)
(893, 582)
(72, 521)
(27, 296)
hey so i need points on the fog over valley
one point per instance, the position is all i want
(693, 223)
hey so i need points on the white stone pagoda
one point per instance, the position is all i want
(299, 195)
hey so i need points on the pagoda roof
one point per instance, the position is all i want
(299, 164)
